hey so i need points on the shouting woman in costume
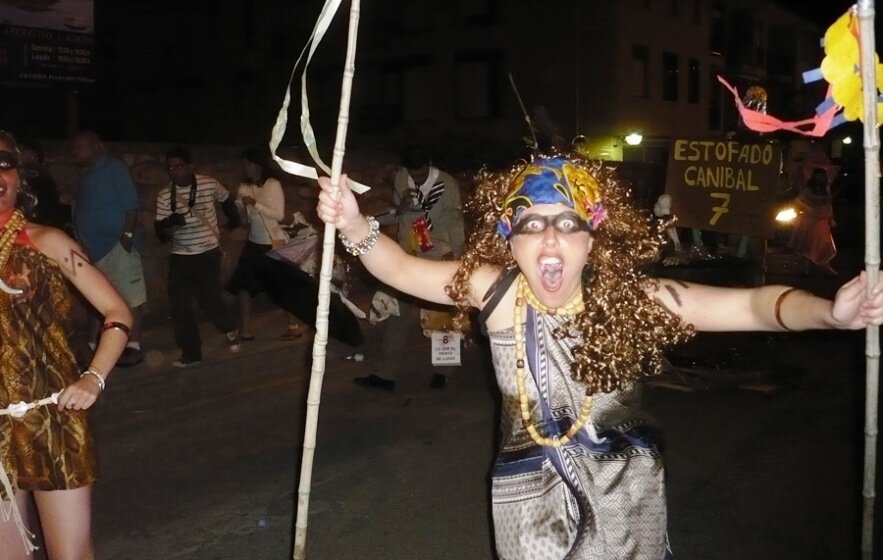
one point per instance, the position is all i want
(555, 268)
(45, 446)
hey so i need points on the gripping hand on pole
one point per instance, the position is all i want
(342, 210)
(856, 306)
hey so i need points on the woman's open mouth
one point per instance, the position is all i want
(551, 271)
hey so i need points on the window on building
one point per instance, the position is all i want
(417, 95)
(715, 107)
(476, 12)
(640, 71)
(782, 58)
(669, 76)
(416, 15)
(475, 90)
(746, 43)
(391, 84)
(717, 39)
(759, 43)
(693, 80)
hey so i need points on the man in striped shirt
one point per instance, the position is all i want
(186, 216)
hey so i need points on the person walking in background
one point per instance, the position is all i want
(261, 195)
(812, 236)
(106, 224)
(186, 217)
(47, 451)
(48, 209)
(429, 215)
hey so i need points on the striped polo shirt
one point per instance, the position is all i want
(200, 232)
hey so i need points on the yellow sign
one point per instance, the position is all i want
(724, 185)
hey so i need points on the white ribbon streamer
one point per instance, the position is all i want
(309, 136)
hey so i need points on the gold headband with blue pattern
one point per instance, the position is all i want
(553, 180)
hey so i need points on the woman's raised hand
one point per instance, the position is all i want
(854, 309)
(342, 213)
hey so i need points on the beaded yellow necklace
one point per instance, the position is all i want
(8, 233)
(525, 294)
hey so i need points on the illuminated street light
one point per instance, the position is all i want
(786, 215)
(634, 138)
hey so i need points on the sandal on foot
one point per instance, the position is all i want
(291, 333)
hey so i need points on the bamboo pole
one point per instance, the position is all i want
(321, 340)
(865, 13)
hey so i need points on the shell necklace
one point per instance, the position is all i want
(575, 305)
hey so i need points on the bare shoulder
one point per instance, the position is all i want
(57, 245)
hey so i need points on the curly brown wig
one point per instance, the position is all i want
(623, 332)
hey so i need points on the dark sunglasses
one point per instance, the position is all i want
(8, 161)
(564, 223)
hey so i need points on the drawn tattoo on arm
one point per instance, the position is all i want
(673, 292)
(75, 260)
(674, 295)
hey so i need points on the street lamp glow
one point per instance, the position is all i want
(634, 138)
(786, 215)
(847, 139)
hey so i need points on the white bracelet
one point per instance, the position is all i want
(366, 244)
(96, 373)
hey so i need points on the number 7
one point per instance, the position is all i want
(720, 210)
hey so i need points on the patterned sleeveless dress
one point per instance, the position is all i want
(599, 497)
(46, 449)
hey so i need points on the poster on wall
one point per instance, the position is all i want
(47, 42)
(724, 185)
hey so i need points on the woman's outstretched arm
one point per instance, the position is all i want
(771, 308)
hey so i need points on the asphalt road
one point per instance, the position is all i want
(763, 460)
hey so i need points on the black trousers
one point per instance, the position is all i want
(196, 277)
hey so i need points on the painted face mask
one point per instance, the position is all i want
(564, 223)
(552, 181)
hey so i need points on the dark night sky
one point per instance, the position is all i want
(108, 97)
(823, 13)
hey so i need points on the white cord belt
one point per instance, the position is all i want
(10, 510)
(19, 409)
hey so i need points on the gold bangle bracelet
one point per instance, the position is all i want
(778, 308)
(122, 327)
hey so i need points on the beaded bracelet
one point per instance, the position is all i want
(778, 307)
(366, 244)
(122, 327)
(96, 373)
